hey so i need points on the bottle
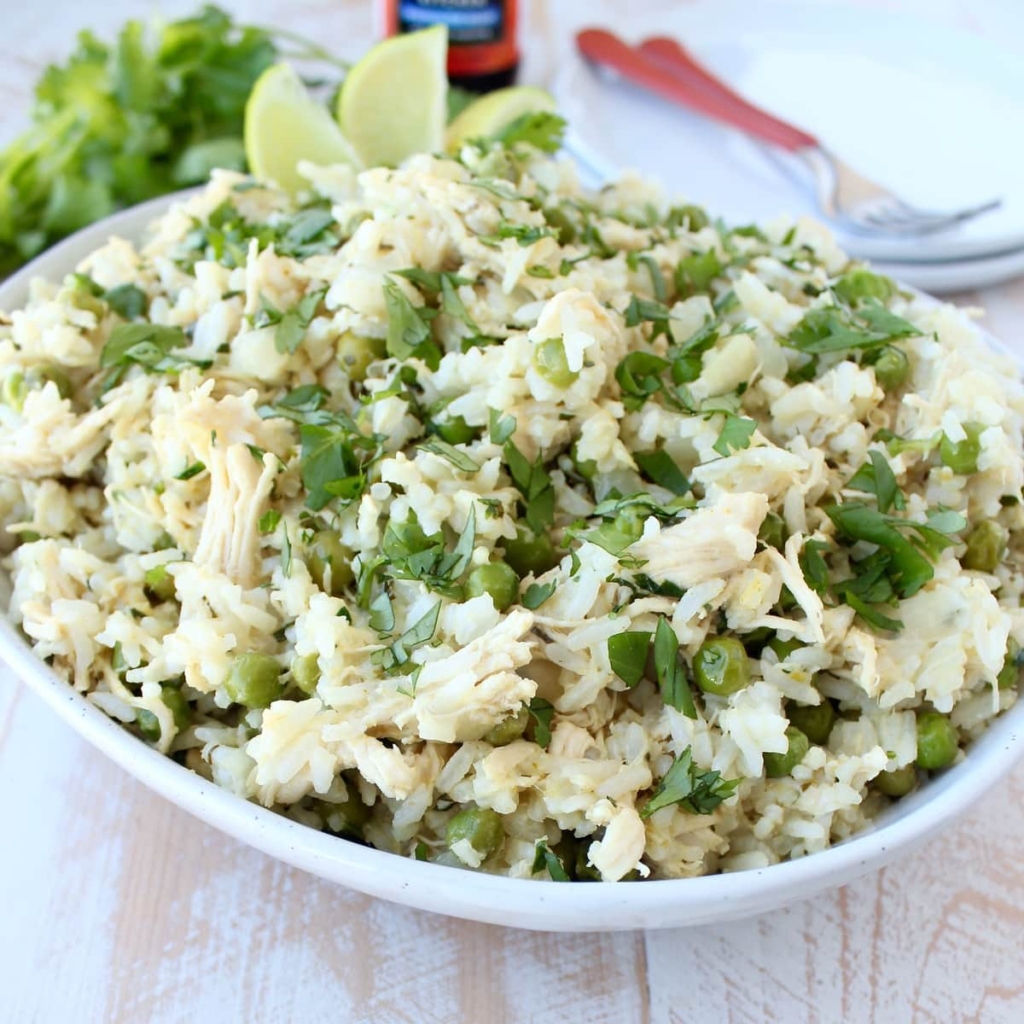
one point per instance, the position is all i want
(482, 49)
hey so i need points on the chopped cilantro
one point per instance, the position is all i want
(670, 671)
(396, 657)
(268, 522)
(537, 593)
(695, 272)
(335, 460)
(541, 713)
(545, 859)
(535, 486)
(540, 129)
(409, 328)
(876, 477)
(660, 467)
(627, 655)
(736, 434)
(694, 790)
(190, 471)
(127, 301)
(458, 458)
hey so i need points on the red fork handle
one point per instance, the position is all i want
(674, 57)
(675, 76)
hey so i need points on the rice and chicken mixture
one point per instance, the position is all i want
(464, 513)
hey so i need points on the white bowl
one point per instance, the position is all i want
(545, 905)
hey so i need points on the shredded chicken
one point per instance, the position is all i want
(460, 697)
(709, 544)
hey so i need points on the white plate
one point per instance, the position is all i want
(548, 906)
(957, 275)
(936, 115)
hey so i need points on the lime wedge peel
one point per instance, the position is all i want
(393, 102)
(284, 124)
(489, 114)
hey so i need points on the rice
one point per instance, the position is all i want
(306, 433)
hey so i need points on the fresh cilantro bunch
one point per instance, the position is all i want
(122, 122)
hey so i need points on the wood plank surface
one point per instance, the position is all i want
(116, 906)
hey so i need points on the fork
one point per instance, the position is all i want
(664, 67)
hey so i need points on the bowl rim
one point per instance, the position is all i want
(496, 899)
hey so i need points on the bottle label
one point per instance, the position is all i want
(470, 22)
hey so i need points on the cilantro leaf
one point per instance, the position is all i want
(649, 311)
(501, 427)
(299, 405)
(838, 329)
(535, 486)
(627, 654)
(190, 471)
(639, 377)
(127, 301)
(541, 713)
(660, 467)
(546, 859)
(695, 272)
(335, 460)
(813, 566)
(694, 790)
(396, 657)
(669, 670)
(736, 434)
(537, 593)
(292, 326)
(540, 129)
(458, 458)
(268, 522)
(408, 327)
(876, 477)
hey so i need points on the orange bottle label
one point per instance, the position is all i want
(481, 33)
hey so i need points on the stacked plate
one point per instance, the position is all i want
(935, 114)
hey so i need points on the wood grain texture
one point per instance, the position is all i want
(116, 906)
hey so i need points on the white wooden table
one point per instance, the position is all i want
(116, 906)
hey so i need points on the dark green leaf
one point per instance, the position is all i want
(268, 522)
(627, 654)
(190, 471)
(541, 713)
(540, 129)
(127, 301)
(545, 859)
(669, 670)
(501, 427)
(736, 434)
(458, 458)
(537, 593)
(695, 790)
(813, 565)
(660, 467)
(876, 477)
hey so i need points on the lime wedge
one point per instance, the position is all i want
(394, 101)
(489, 114)
(284, 124)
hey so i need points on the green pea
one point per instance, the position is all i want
(692, 218)
(778, 766)
(148, 724)
(17, 385)
(510, 729)
(178, 705)
(159, 584)
(14, 390)
(550, 362)
(559, 219)
(985, 546)
(455, 430)
(306, 673)
(345, 818)
(529, 552)
(480, 825)
(1009, 674)
(784, 648)
(720, 666)
(355, 354)
(327, 551)
(857, 285)
(814, 721)
(254, 680)
(773, 531)
(937, 741)
(892, 368)
(896, 782)
(962, 456)
(497, 579)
